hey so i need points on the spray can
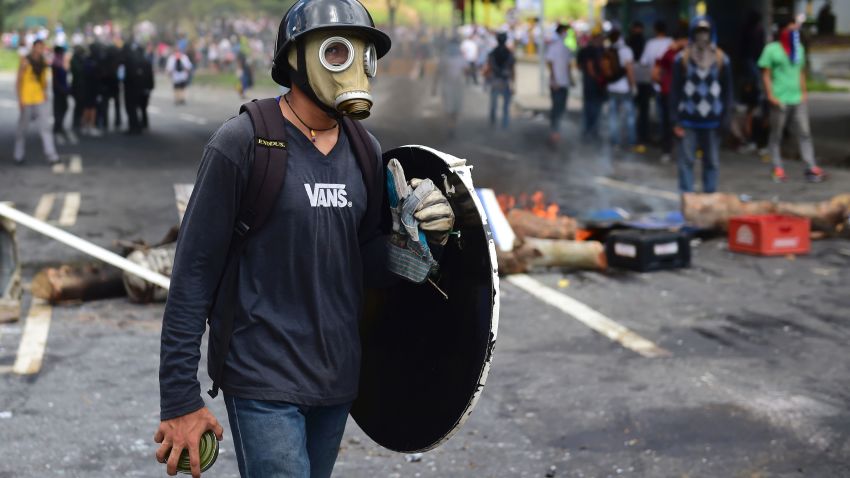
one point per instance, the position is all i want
(208, 450)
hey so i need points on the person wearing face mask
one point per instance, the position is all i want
(784, 76)
(701, 102)
(289, 365)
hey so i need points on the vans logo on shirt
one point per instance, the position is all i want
(327, 195)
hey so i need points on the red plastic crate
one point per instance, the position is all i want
(770, 235)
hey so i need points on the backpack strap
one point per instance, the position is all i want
(269, 168)
(364, 150)
(268, 172)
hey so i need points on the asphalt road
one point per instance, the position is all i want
(755, 383)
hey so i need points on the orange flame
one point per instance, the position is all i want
(535, 203)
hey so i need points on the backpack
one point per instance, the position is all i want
(264, 185)
(178, 64)
(609, 65)
(500, 71)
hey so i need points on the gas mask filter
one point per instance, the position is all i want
(338, 68)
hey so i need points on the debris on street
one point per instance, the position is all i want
(10, 274)
(714, 211)
(84, 282)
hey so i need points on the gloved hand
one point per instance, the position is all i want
(434, 214)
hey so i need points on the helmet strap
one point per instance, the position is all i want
(299, 77)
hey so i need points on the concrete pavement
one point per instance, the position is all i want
(754, 385)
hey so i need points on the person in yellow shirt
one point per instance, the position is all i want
(32, 100)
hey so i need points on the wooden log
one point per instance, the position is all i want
(78, 283)
(527, 224)
(589, 255)
(713, 211)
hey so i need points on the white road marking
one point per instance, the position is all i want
(34, 339)
(192, 118)
(496, 153)
(45, 206)
(634, 188)
(76, 164)
(588, 317)
(68, 216)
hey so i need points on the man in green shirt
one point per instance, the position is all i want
(782, 63)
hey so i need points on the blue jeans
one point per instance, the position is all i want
(709, 142)
(559, 107)
(282, 440)
(505, 93)
(591, 110)
(621, 104)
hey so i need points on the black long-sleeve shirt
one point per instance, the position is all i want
(300, 279)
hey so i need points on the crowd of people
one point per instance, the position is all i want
(94, 79)
(692, 81)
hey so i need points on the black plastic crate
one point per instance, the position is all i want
(645, 251)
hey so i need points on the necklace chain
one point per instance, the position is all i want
(313, 131)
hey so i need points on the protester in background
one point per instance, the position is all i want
(179, 66)
(469, 50)
(752, 44)
(451, 73)
(500, 72)
(558, 58)
(31, 87)
(826, 19)
(109, 86)
(701, 102)
(662, 74)
(618, 70)
(61, 91)
(654, 49)
(147, 85)
(78, 88)
(133, 60)
(91, 93)
(245, 73)
(593, 84)
(784, 76)
(636, 39)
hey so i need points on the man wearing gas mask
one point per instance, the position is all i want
(288, 361)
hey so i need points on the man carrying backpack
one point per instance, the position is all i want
(500, 72)
(280, 270)
(617, 65)
(701, 102)
(179, 66)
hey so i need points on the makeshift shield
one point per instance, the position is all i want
(426, 357)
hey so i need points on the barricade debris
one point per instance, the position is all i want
(714, 211)
(10, 273)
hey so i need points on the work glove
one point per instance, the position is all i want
(434, 214)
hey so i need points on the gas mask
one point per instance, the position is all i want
(338, 68)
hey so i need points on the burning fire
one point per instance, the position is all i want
(535, 203)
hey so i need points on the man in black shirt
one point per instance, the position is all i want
(293, 365)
